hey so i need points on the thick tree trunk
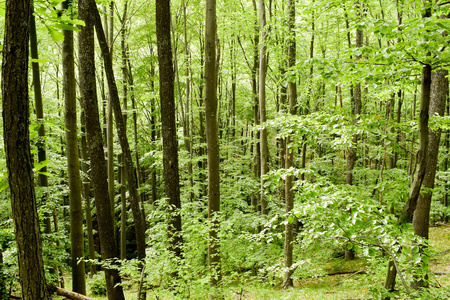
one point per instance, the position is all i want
(169, 133)
(73, 164)
(212, 140)
(17, 149)
(95, 141)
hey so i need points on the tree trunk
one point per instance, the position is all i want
(262, 102)
(289, 194)
(73, 164)
(42, 155)
(212, 142)
(169, 133)
(95, 141)
(17, 149)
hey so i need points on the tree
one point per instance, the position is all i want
(95, 141)
(169, 133)
(73, 164)
(289, 194)
(212, 140)
(17, 148)
(262, 102)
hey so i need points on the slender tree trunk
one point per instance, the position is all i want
(256, 134)
(42, 155)
(169, 133)
(122, 168)
(95, 141)
(153, 126)
(212, 142)
(262, 102)
(17, 149)
(289, 194)
(110, 120)
(73, 164)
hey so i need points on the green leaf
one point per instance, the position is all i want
(39, 61)
(4, 184)
(48, 174)
(57, 36)
(42, 164)
(349, 246)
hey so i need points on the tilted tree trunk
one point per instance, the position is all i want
(73, 164)
(89, 104)
(169, 133)
(212, 140)
(17, 149)
(139, 221)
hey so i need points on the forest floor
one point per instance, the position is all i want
(354, 283)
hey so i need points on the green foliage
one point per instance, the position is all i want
(97, 284)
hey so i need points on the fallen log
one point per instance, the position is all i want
(53, 289)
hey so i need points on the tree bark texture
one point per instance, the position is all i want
(89, 104)
(17, 149)
(73, 164)
(170, 142)
(212, 140)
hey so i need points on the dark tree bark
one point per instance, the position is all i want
(89, 104)
(17, 149)
(169, 134)
(212, 140)
(139, 221)
(73, 164)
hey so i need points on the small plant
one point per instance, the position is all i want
(97, 284)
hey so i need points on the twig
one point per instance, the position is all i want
(351, 275)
